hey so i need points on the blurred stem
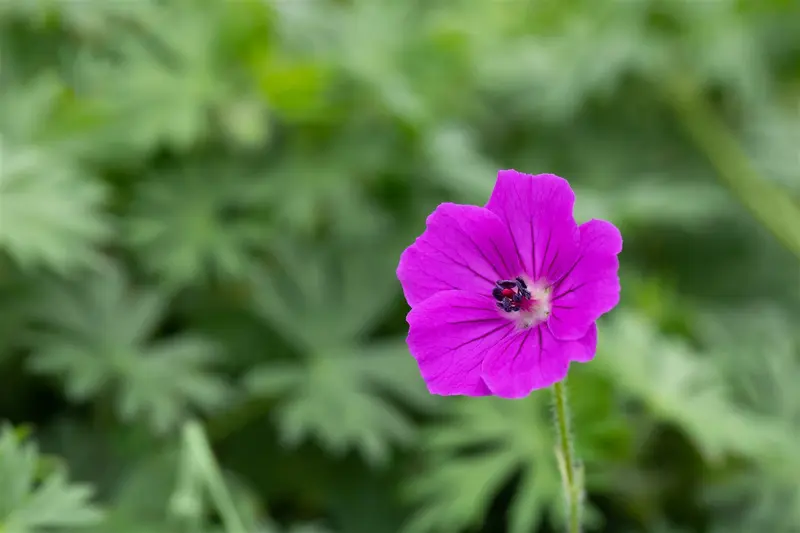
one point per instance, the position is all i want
(772, 206)
(571, 474)
(209, 470)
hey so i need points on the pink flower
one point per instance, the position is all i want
(503, 297)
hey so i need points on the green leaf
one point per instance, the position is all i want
(339, 34)
(295, 88)
(197, 222)
(452, 153)
(555, 58)
(720, 46)
(27, 109)
(327, 189)
(89, 16)
(757, 348)
(97, 338)
(49, 211)
(680, 386)
(155, 101)
(33, 504)
(656, 201)
(164, 83)
(341, 397)
(327, 295)
(475, 453)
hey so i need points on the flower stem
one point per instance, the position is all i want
(768, 202)
(202, 456)
(571, 471)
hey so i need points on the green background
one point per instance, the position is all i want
(202, 205)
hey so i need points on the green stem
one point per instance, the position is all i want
(200, 450)
(768, 202)
(571, 474)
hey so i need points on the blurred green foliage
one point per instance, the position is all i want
(201, 208)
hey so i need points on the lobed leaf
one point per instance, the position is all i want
(30, 504)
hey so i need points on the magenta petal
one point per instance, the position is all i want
(538, 213)
(588, 346)
(591, 287)
(464, 247)
(529, 360)
(449, 335)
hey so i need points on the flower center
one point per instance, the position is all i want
(528, 302)
(512, 295)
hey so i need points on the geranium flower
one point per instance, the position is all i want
(504, 297)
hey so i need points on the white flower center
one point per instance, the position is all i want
(539, 306)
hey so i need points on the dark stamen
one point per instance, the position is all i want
(497, 292)
(508, 306)
(510, 294)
